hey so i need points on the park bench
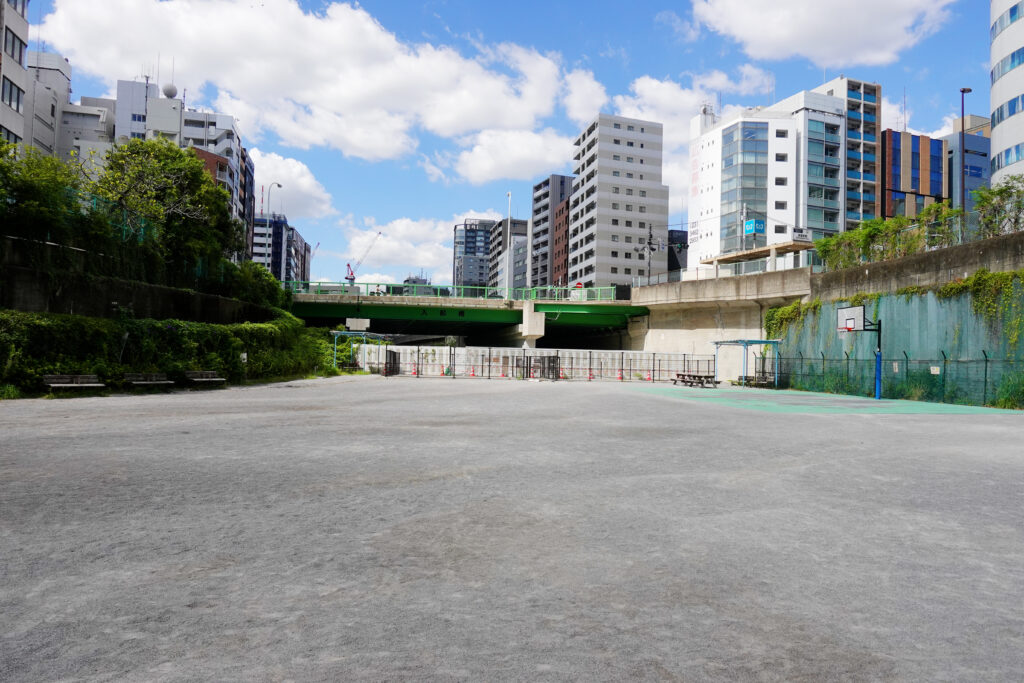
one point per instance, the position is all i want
(147, 379)
(695, 379)
(203, 377)
(73, 382)
(754, 381)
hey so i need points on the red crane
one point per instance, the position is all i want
(351, 277)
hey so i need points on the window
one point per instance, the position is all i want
(139, 136)
(629, 143)
(642, 209)
(629, 190)
(14, 46)
(615, 190)
(781, 157)
(12, 95)
(629, 239)
(629, 127)
(629, 224)
(629, 207)
(615, 174)
(639, 271)
(617, 125)
(615, 254)
(628, 254)
(643, 225)
(615, 205)
(630, 175)
(643, 193)
(139, 117)
(615, 221)
(780, 229)
(9, 136)
(641, 176)
(781, 133)
(617, 141)
(641, 129)
(780, 182)
(18, 5)
(640, 240)
(627, 271)
(780, 205)
(615, 238)
(614, 269)
(616, 157)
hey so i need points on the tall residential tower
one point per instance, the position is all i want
(1006, 44)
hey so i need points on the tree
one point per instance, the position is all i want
(38, 194)
(157, 190)
(1001, 208)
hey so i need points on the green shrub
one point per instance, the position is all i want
(35, 344)
(1010, 393)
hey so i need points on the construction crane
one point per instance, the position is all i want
(351, 277)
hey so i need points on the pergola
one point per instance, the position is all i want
(747, 343)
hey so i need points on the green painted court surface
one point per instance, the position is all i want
(781, 401)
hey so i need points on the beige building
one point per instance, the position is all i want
(13, 69)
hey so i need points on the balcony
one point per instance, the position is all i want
(831, 182)
(833, 137)
(870, 118)
(853, 134)
(852, 95)
(853, 156)
(853, 175)
(869, 177)
(869, 157)
(855, 196)
(853, 215)
(868, 97)
(870, 138)
(853, 115)
(831, 225)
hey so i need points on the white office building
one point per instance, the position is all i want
(619, 206)
(1006, 38)
(781, 166)
(547, 195)
(14, 77)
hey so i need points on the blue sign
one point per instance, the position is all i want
(753, 227)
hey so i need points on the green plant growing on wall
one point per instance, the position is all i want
(1010, 393)
(1001, 208)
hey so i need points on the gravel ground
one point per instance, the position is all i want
(372, 529)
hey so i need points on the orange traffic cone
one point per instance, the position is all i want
(472, 371)
(619, 377)
(413, 370)
(561, 374)
(649, 376)
(590, 376)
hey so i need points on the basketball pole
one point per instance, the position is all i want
(878, 361)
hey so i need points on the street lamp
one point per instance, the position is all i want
(963, 171)
(270, 230)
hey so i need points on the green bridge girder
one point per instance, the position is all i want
(556, 314)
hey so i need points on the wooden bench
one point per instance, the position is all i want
(203, 377)
(695, 379)
(147, 379)
(762, 381)
(73, 382)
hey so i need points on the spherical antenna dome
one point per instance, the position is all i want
(170, 91)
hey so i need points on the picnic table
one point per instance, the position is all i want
(695, 379)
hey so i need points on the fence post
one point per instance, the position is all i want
(984, 391)
(488, 362)
(822, 367)
(945, 368)
(847, 367)
(419, 370)
(590, 367)
(558, 365)
(622, 364)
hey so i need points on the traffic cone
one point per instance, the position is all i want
(503, 373)
(590, 376)
(472, 371)
(561, 374)
(649, 376)
(442, 370)
(413, 370)
(619, 377)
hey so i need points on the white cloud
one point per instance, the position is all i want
(831, 33)
(893, 116)
(584, 96)
(339, 80)
(300, 196)
(416, 244)
(753, 81)
(685, 31)
(515, 154)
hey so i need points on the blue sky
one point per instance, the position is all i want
(404, 117)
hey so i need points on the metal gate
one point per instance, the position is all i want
(391, 364)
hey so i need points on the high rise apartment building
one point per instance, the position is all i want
(783, 166)
(547, 195)
(560, 245)
(471, 253)
(281, 248)
(618, 202)
(46, 95)
(913, 173)
(863, 114)
(1006, 46)
(14, 77)
(501, 251)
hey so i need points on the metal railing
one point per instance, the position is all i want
(974, 381)
(454, 292)
(478, 362)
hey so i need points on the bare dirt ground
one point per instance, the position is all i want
(362, 528)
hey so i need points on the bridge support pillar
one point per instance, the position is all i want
(638, 327)
(773, 254)
(532, 328)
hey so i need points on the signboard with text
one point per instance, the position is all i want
(753, 227)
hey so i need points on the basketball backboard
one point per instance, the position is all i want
(850, 319)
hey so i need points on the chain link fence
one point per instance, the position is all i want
(980, 381)
(472, 362)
